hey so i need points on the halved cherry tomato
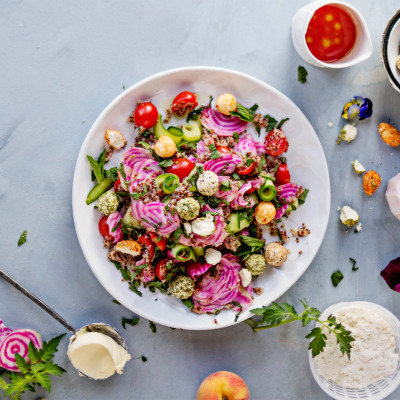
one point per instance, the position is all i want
(148, 244)
(104, 229)
(161, 244)
(251, 190)
(246, 170)
(282, 175)
(184, 102)
(161, 269)
(223, 150)
(146, 115)
(116, 185)
(276, 142)
(181, 167)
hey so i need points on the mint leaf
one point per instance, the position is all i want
(245, 114)
(336, 278)
(167, 162)
(152, 326)
(22, 238)
(129, 321)
(303, 196)
(97, 170)
(271, 122)
(302, 74)
(353, 261)
(281, 122)
(236, 137)
(188, 304)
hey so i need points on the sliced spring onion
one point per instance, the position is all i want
(168, 182)
(183, 253)
(267, 191)
(191, 133)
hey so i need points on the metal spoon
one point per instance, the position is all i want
(94, 327)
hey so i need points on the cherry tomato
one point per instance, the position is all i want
(104, 229)
(146, 115)
(251, 190)
(161, 269)
(282, 175)
(276, 142)
(182, 167)
(148, 245)
(223, 150)
(246, 170)
(161, 244)
(184, 102)
(116, 185)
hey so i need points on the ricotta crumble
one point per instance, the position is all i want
(373, 353)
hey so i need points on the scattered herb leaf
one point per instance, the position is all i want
(152, 326)
(129, 321)
(281, 122)
(245, 114)
(302, 74)
(336, 277)
(22, 238)
(353, 261)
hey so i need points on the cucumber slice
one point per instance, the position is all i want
(173, 130)
(254, 197)
(159, 130)
(199, 251)
(191, 133)
(99, 189)
(129, 220)
(233, 223)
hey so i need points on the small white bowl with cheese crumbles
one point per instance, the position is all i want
(374, 369)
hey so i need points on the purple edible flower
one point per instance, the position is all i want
(391, 274)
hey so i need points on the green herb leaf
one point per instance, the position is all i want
(144, 359)
(353, 261)
(97, 169)
(177, 233)
(253, 242)
(194, 115)
(167, 162)
(152, 326)
(225, 186)
(129, 321)
(302, 74)
(249, 162)
(137, 196)
(276, 315)
(281, 122)
(236, 137)
(135, 290)
(116, 302)
(303, 196)
(22, 238)
(188, 304)
(245, 114)
(50, 348)
(271, 122)
(111, 173)
(21, 363)
(336, 277)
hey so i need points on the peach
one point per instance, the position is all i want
(223, 385)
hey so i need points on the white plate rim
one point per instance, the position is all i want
(82, 153)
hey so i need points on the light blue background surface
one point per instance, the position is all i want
(61, 63)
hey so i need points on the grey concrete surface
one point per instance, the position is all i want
(61, 63)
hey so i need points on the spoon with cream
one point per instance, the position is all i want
(96, 350)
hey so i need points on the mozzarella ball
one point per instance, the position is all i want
(275, 254)
(165, 147)
(208, 183)
(265, 212)
(226, 103)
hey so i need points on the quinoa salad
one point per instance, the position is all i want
(185, 210)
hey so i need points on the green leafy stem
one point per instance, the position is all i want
(276, 315)
(33, 373)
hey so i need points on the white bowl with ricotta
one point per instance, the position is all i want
(384, 322)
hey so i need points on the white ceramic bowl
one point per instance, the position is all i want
(362, 48)
(391, 50)
(306, 161)
(381, 389)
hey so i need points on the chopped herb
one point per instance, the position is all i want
(137, 196)
(249, 162)
(22, 238)
(145, 145)
(116, 226)
(152, 326)
(131, 322)
(166, 162)
(236, 177)
(116, 302)
(215, 154)
(209, 103)
(245, 114)
(271, 122)
(336, 277)
(237, 316)
(213, 201)
(303, 196)
(302, 74)
(146, 133)
(225, 167)
(236, 137)
(111, 173)
(188, 304)
(252, 242)
(225, 186)
(353, 268)
(144, 359)
(281, 122)
(235, 303)
(97, 166)
(194, 115)
(250, 245)
(177, 233)
(135, 290)
(262, 163)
